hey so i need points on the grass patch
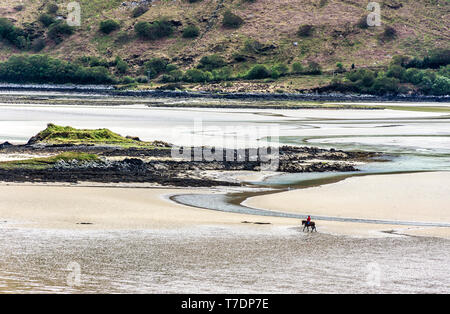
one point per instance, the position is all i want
(55, 134)
(46, 162)
(419, 109)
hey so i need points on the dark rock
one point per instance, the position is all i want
(5, 144)
(134, 138)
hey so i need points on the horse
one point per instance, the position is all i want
(312, 224)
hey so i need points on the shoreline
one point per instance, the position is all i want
(395, 201)
(111, 91)
(154, 209)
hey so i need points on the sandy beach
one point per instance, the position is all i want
(384, 197)
(106, 208)
(418, 197)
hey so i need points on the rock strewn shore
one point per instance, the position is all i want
(111, 91)
(157, 165)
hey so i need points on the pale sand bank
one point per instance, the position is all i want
(63, 207)
(419, 197)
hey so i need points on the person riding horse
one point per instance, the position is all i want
(308, 223)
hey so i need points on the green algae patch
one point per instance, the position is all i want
(420, 108)
(55, 134)
(46, 162)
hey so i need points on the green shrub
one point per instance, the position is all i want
(426, 85)
(340, 67)
(92, 61)
(389, 33)
(46, 19)
(22, 42)
(231, 20)
(362, 77)
(313, 68)
(121, 66)
(197, 76)
(127, 80)
(6, 28)
(396, 71)
(58, 30)
(142, 79)
(385, 85)
(44, 69)
(222, 74)
(12, 34)
(52, 8)
(412, 75)
(155, 66)
(445, 71)
(172, 76)
(438, 58)
(434, 59)
(441, 86)
(280, 68)
(362, 22)
(123, 37)
(305, 30)
(297, 68)
(238, 57)
(140, 10)
(158, 29)
(171, 67)
(259, 71)
(108, 26)
(191, 31)
(400, 60)
(211, 62)
(252, 46)
(274, 74)
(142, 29)
(38, 44)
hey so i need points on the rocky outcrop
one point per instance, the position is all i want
(156, 165)
(5, 145)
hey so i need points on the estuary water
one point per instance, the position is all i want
(224, 259)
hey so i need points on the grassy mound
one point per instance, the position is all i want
(55, 134)
(42, 163)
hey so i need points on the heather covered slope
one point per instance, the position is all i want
(420, 25)
(268, 35)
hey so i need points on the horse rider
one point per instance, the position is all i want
(308, 220)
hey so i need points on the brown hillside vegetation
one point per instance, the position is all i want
(420, 25)
(270, 33)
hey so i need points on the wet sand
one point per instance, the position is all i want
(137, 207)
(419, 197)
(106, 208)
(220, 259)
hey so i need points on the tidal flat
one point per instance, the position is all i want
(132, 237)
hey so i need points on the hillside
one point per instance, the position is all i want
(268, 35)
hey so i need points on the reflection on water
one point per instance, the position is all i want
(220, 260)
